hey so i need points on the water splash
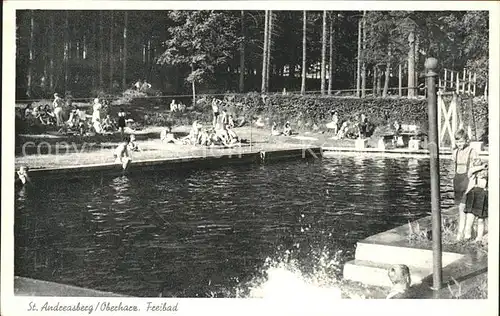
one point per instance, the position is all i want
(286, 277)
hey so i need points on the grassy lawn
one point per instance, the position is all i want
(421, 237)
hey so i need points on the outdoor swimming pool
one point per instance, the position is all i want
(214, 232)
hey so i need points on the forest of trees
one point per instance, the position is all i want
(179, 52)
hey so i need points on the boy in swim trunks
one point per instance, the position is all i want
(215, 110)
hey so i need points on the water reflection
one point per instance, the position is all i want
(121, 186)
(178, 232)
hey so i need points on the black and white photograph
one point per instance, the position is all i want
(158, 153)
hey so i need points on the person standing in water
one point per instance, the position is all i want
(463, 157)
(122, 155)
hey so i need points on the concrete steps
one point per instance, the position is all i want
(376, 254)
(375, 273)
(401, 255)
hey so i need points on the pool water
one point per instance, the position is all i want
(218, 232)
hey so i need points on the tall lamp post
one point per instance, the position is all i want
(430, 66)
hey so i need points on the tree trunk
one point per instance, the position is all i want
(411, 65)
(269, 41)
(242, 53)
(374, 86)
(66, 51)
(330, 62)
(363, 65)
(148, 60)
(193, 86)
(31, 54)
(400, 79)
(387, 72)
(85, 48)
(379, 82)
(111, 56)
(304, 73)
(93, 55)
(264, 53)
(387, 77)
(416, 62)
(101, 51)
(323, 55)
(124, 78)
(358, 69)
(51, 53)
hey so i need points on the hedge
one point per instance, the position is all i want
(306, 111)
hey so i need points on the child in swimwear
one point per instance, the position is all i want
(463, 156)
(215, 110)
(121, 121)
(287, 130)
(475, 200)
(132, 145)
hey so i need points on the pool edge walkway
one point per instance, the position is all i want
(229, 158)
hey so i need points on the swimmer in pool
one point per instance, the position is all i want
(122, 155)
(401, 280)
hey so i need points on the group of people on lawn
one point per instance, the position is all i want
(78, 122)
(350, 128)
(220, 133)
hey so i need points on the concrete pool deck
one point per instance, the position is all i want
(232, 157)
(32, 287)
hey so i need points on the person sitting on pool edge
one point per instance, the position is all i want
(132, 145)
(122, 155)
(22, 174)
(274, 130)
